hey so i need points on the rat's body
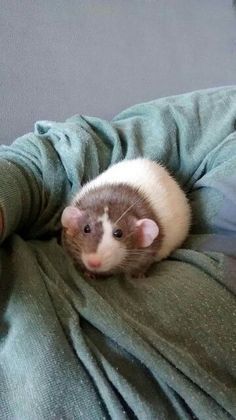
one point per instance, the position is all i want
(131, 215)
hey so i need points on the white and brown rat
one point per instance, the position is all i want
(131, 215)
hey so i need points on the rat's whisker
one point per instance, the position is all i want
(128, 209)
(130, 234)
(141, 251)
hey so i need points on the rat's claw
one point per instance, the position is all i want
(89, 275)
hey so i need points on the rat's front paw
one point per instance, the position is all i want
(90, 276)
(140, 275)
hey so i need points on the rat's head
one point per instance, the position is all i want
(108, 236)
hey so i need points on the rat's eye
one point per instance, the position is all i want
(117, 233)
(87, 229)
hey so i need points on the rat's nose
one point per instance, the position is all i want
(93, 261)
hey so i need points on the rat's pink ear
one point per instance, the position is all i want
(147, 232)
(70, 219)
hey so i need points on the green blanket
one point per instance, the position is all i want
(159, 348)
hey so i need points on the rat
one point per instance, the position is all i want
(129, 216)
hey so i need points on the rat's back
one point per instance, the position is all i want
(140, 173)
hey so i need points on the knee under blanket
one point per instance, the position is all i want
(161, 348)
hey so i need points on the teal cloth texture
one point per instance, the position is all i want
(163, 347)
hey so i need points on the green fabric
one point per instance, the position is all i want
(159, 348)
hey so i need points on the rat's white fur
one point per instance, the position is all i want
(164, 194)
(110, 252)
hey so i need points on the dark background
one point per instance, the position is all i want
(97, 57)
